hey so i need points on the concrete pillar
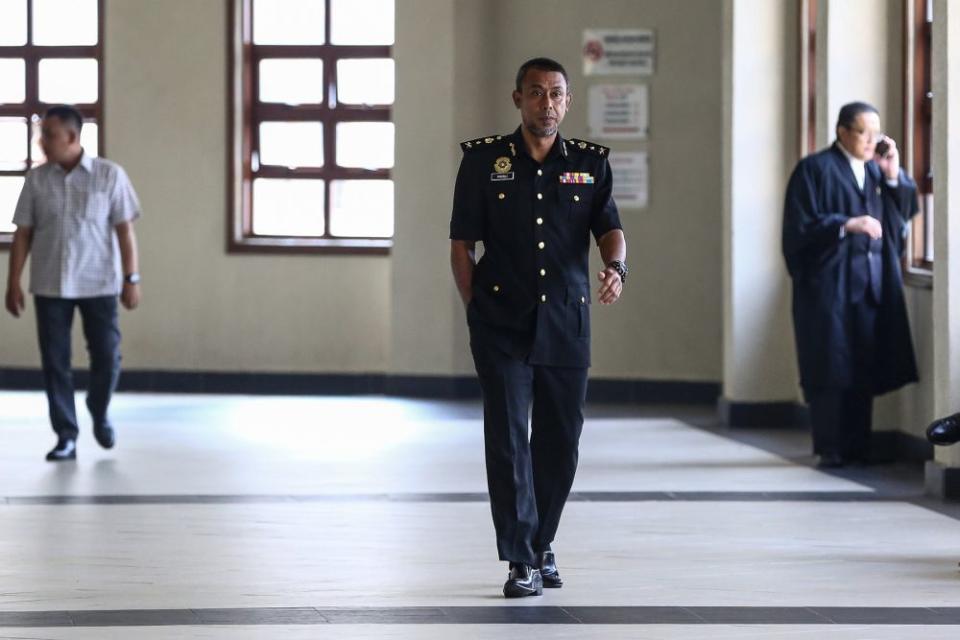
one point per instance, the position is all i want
(761, 120)
(428, 330)
(943, 474)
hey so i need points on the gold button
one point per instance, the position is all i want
(539, 172)
(502, 196)
(576, 198)
(543, 272)
(541, 245)
(539, 220)
(539, 196)
(496, 288)
(543, 298)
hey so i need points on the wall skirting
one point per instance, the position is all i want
(885, 446)
(600, 390)
(762, 414)
(942, 482)
(888, 446)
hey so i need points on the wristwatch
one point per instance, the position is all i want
(620, 267)
(132, 278)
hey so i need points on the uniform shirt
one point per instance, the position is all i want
(75, 251)
(859, 168)
(531, 287)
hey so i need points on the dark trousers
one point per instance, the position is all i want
(529, 478)
(102, 331)
(842, 418)
(842, 423)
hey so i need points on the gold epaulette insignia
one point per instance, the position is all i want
(473, 144)
(590, 147)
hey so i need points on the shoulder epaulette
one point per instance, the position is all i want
(480, 143)
(588, 147)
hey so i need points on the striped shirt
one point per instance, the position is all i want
(75, 252)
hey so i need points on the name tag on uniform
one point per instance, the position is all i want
(573, 177)
(500, 177)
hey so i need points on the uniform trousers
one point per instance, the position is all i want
(530, 463)
(102, 332)
(842, 417)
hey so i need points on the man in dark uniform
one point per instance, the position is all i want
(844, 226)
(533, 198)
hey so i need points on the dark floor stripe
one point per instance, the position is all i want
(873, 616)
(586, 496)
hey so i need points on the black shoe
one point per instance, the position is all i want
(945, 430)
(548, 570)
(831, 461)
(523, 580)
(105, 435)
(66, 449)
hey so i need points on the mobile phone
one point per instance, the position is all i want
(882, 147)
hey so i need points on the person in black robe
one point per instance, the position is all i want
(845, 220)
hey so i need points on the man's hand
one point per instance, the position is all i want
(462, 261)
(867, 225)
(130, 296)
(889, 162)
(611, 286)
(14, 300)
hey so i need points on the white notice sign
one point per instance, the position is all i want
(618, 51)
(631, 179)
(620, 112)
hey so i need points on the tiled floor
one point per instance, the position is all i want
(239, 517)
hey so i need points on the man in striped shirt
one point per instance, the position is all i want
(75, 214)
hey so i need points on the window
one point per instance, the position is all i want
(918, 113)
(50, 53)
(313, 140)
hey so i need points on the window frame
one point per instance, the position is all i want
(918, 130)
(245, 114)
(32, 106)
(807, 76)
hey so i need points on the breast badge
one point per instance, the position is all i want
(501, 170)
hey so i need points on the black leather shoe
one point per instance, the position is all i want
(66, 449)
(831, 461)
(945, 430)
(105, 435)
(523, 580)
(548, 571)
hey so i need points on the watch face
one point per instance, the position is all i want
(133, 278)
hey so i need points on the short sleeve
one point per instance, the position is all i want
(605, 217)
(466, 222)
(24, 215)
(124, 204)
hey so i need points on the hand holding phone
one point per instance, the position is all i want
(888, 158)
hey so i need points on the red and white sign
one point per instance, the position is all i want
(618, 51)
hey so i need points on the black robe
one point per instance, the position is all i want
(826, 270)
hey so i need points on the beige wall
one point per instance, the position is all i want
(761, 106)
(165, 68)
(166, 83)
(207, 310)
(667, 326)
(860, 49)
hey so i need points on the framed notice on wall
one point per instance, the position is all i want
(619, 111)
(631, 179)
(618, 51)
